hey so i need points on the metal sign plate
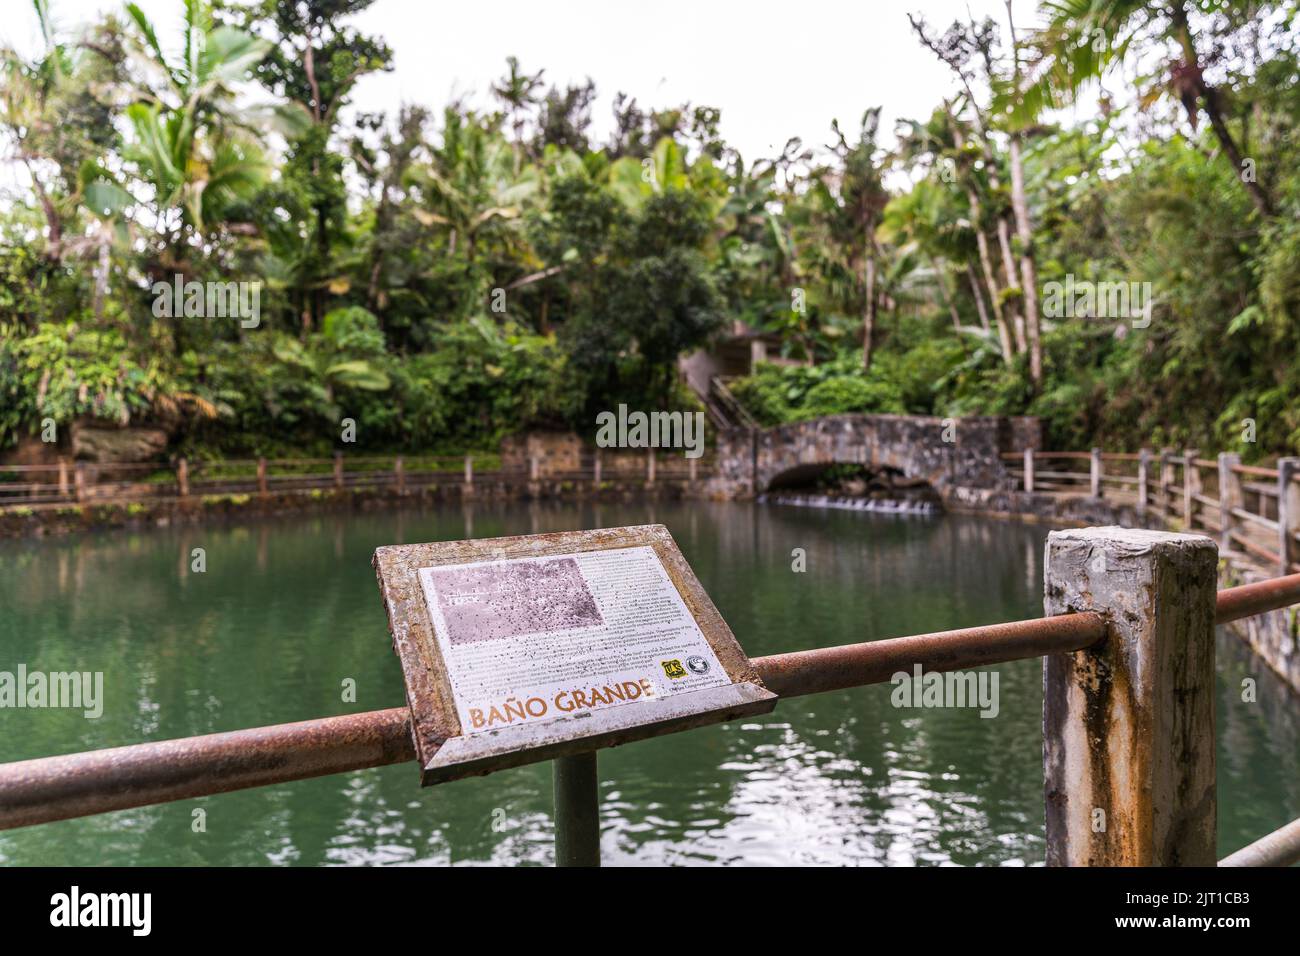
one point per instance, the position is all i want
(522, 649)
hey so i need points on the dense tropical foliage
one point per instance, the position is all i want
(444, 278)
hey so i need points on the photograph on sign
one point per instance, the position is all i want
(519, 649)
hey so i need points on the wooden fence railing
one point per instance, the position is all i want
(1247, 508)
(70, 482)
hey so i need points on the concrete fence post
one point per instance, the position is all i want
(261, 477)
(1144, 479)
(183, 478)
(534, 468)
(1288, 513)
(692, 471)
(1128, 725)
(1029, 470)
(63, 477)
(1230, 498)
(1191, 484)
(399, 472)
(1166, 482)
(650, 468)
(338, 470)
(469, 471)
(595, 470)
(79, 480)
(1094, 472)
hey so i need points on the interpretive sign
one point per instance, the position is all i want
(521, 649)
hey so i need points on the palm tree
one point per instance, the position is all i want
(56, 110)
(24, 93)
(1083, 39)
(518, 91)
(925, 223)
(470, 183)
(848, 199)
(634, 180)
(936, 143)
(192, 143)
(1020, 207)
(957, 47)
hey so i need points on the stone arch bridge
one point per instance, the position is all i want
(961, 458)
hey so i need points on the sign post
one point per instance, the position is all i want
(577, 810)
(552, 646)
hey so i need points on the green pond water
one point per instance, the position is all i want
(288, 610)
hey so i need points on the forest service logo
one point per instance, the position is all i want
(673, 668)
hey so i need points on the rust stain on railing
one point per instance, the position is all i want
(98, 781)
(47, 789)
(874, 662)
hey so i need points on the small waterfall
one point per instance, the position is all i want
(895, 506)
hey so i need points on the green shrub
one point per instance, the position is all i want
(837, 396)
(776, 394)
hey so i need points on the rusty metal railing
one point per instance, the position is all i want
(47, 789)
(1279, 848)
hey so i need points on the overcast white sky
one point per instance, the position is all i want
(775, 69)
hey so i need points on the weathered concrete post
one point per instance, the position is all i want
(183, 477)
(1128, 725)
(63, 477)
(79, 480)
(1144, 479)
(650, 468)
(399, 472)
(692, 472)
(1230, 498)
(1191, 487)
(1288, 513)
(338, 470)
(469, 471)
(1166, 481)
(595, 470)
(1029, 470)
(1094, 472)
(261, 477)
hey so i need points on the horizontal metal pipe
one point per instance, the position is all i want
(1247, 600)
(874, 662)
(1279, 848)
(57, 788)
(97, 781)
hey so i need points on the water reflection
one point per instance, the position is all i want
(287, 610)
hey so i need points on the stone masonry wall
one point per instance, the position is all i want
(947, 453)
